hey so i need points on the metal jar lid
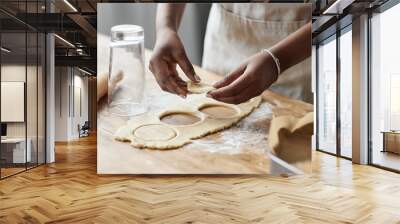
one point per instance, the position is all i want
(127, 32)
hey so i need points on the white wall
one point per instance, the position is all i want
(82, 82)
(33, 126)
(62, 81)
(79, 117)
(69, 81)
(12, 73)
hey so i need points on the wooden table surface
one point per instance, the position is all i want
(238, 150)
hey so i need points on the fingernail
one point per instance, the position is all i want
(208, 94)
(197, 78)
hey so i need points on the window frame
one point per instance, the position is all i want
(27, 29)
(378, 10)
(339, 32)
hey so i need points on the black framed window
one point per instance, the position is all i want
(22, 76)
(384, 109)
(334, 93)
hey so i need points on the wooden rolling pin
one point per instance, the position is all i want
(290, 136)
(102, 83)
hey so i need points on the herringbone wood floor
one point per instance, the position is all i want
(69, 191)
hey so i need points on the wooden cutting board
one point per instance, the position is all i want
(242, 149)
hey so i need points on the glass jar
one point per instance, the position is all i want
(126, 78)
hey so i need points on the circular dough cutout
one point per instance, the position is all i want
(154, 132)
(179, 118)
(218, 111)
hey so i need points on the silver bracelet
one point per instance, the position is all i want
(276, 60)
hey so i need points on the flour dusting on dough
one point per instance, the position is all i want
(251, 131)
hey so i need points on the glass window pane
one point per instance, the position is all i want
(13, 86)
(32, 89)
(41, 98)
(31, 97)
(346, 94)
(327, 96)
(22, 77)
(385, 114)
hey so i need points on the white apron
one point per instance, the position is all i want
(235, 31)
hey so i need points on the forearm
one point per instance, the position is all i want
(169, 15)
(294, 48)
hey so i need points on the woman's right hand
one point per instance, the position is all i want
(169, 52)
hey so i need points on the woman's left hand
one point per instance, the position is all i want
(249, 80)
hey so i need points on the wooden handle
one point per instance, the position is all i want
(102, 83)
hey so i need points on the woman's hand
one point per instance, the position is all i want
(249, 80)
(169, 52)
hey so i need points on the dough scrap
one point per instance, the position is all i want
(184, 134)
(199, 88)
(290, 137)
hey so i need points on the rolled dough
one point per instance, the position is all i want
(199, 88)
(290, 137)
(148, 131)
